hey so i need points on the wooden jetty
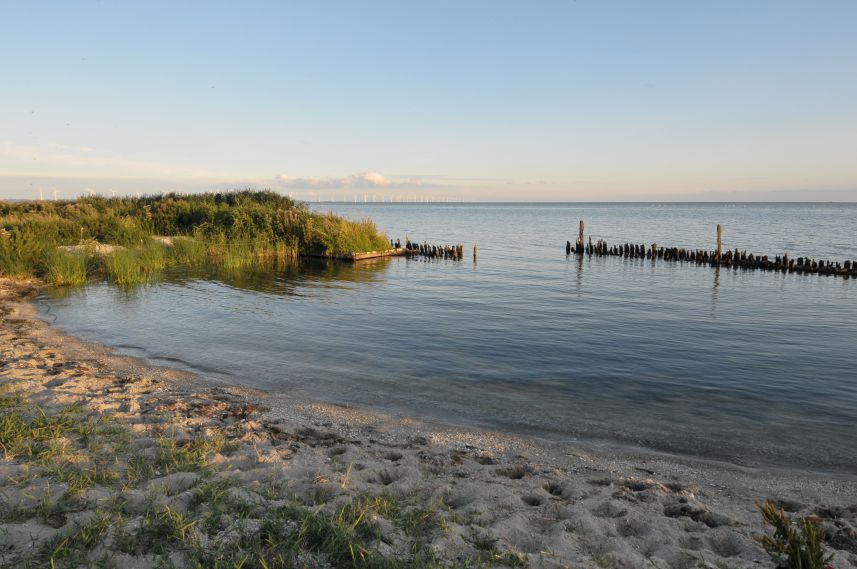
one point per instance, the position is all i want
(736, 259)
(411, 249)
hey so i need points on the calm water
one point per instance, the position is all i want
(749, 367)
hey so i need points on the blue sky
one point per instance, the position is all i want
(461, 100)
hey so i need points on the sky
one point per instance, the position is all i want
(474, 101)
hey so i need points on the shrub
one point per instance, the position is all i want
(800, 547)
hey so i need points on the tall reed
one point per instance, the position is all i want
(123, 268)
(152, 256)
(62, 268)
(188, 250)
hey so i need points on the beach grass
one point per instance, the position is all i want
(64, 268)
(81, 451)
(189, 250)
(123, 268)
(235, 230)
(23, 250)
(329, 234)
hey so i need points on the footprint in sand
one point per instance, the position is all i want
(532, 500)
(516, 472)
(337, 451)
(385, 477)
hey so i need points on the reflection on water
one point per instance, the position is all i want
(286, 277)
(744, 366)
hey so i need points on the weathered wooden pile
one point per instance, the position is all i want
(730, 258)
(450, 252)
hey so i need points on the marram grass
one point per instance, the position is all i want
(235, 230)
(78, 450)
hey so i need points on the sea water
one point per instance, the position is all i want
(755, 368)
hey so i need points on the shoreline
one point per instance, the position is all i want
(498, 499)
(209, 378)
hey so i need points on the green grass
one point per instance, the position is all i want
(123, 268)
(14, 435)
(152, 256)
(333, 235)
(10, 401)
(85, 454)
(139, 265)
(233, 229)
(80, 477)
(186, 456)
(65, 269)
(289, 533)
(28, 431)
(72, 550)
(189, 250)
(791, 547)
(160, 531)
(23, 249)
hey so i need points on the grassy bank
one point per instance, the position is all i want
(62, 242)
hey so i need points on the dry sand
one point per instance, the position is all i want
(494, 499)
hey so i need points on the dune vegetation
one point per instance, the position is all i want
(129, 240)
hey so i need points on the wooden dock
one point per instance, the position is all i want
(735, 259)
(395, 252)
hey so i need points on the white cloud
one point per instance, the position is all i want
(362, 180)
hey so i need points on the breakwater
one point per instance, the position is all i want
(449, 252)
(411, 249)
(729, 258)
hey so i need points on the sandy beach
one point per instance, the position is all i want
(172, 469)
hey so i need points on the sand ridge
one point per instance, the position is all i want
(450, 495)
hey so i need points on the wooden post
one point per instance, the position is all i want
(475, 248)
(719, 241)
(580, 238)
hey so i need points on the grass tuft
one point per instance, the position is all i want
(63, 268)
(800, 547)
(186, 455)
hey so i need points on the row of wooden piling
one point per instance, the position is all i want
(730, 258)
(450, 252)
